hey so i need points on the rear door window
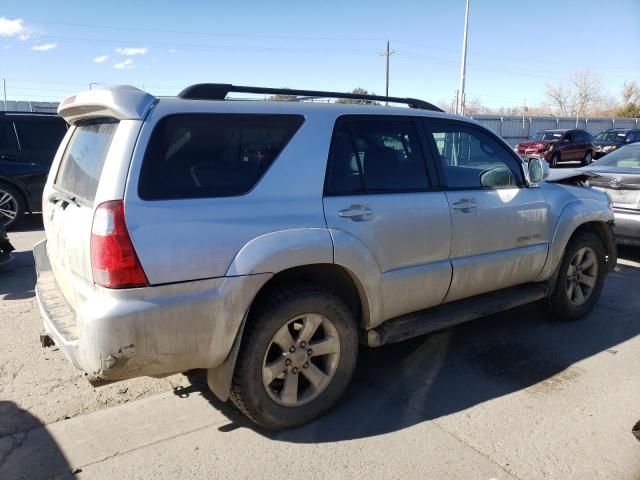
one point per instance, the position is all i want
(376, 155)
(83, 159)
(212, 155)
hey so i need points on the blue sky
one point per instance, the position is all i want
(515, 47)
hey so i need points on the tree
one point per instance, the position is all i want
(579, 95)
(358, 91)
(281, 98)
(630, 110)
(630, 93)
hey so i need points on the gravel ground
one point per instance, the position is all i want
(41, 380)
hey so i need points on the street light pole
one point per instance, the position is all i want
(463, 66)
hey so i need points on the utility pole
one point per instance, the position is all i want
(387, 54)
(4, 87)
(463, 66)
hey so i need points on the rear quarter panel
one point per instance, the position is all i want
(189, 239)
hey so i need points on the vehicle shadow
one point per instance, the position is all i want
(29, 223)
(30, 453)
(397, 386)
(18, 277)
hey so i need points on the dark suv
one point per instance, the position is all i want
(614, 138)
(557, 146)
(28, 143)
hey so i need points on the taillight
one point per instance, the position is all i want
(113, 259)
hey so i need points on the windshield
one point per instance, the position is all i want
(547, 136)
(627, 157)
(611, 136)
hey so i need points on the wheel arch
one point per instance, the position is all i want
(576, 218)
(20, 189)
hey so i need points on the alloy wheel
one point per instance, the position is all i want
(8, 208)
(301, 360)
(581, 276)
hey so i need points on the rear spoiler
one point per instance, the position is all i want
(123, 102)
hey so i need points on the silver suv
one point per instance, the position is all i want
(264, 241)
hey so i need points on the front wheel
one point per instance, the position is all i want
(555, 159)
(588, 158)
(296, 358)
(580, 279)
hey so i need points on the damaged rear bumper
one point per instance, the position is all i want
(120, 334)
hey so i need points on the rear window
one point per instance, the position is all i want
(84, 158)
(212, 155)
(40, 134)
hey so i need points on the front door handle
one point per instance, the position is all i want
(464, 205)
(356, 213)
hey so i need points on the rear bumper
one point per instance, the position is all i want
(627, 227)
(119, 334)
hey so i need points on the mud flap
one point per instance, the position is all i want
(219, 378)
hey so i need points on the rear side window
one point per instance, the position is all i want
(84, 157)
(40, 134)
(8, 136)
(375, 155)
(212, 155)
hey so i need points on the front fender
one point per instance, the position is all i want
(575, 213)
(278, 251)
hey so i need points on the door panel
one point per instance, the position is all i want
(377, 191)
(408, 235)
(498, 225)
(500, 242)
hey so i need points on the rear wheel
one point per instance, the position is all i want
(11, 206)
(555, 159)
(580, 279)
(588, 158)
(296, 358)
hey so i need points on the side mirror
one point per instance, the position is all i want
(538, 171)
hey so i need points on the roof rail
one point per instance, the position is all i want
(18, 112)
(219, 91)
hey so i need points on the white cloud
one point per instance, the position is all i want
(130, 51)
(126, 65)
(13, 28)
(44, 47)
(172, 50)
(101, 58)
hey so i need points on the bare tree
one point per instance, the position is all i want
(579, 95)
(630, 92)
(358, 91)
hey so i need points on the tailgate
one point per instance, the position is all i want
(68, 205)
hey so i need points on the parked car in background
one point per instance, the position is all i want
(28, 143)
(560, 145)
(171, 244)
(614, 138)
(619, 176)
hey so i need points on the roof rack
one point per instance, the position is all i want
(219, 91)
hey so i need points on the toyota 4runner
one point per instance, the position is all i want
(264, 241)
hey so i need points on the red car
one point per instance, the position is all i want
(557, 146)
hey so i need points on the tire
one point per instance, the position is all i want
(261, 396)
(555, 159)
(563, 303)
(588, 158)
(12, 206)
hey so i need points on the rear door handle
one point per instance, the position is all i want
(464, 205)
(356, 213)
